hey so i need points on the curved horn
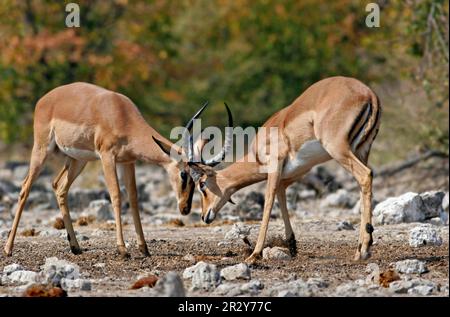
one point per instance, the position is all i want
(227, 144)
(187, 136)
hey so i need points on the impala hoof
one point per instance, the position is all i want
(144, 250)
(252, 259)
(76, 250)
(123, 252)
(362, 256)
(8, 252)
(292, 244)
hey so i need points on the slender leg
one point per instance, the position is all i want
(109, 169)
(290, 237)
(61, 173)
(363, 176)
(62, 189)
(130, 184)
(38, 157)
(273, 180)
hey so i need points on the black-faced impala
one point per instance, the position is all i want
(336, 118)
(85, 122)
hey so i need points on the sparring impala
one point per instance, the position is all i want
(85, 122)
(336, 118)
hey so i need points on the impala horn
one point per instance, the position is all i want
(188, 137)
(227, 144)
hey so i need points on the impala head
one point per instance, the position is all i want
(179, 170)
(204, 175)
(213, 196)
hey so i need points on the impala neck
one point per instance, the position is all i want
(144, 147)
(239, 174)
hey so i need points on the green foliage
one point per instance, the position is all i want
(170, 56)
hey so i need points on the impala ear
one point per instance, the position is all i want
(198, 170)
(163, 146)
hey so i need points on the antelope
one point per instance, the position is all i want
(336, 118)
(85, 122)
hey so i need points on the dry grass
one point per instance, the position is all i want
(38, 290)
(29, 232)
(59, 224)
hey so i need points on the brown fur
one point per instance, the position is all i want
(332, 112)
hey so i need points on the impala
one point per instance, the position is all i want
(85, 122)
(336, 118)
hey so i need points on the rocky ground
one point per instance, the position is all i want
(410, 251)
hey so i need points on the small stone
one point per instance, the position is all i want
(76, 285)
(239, 271)
(405, 208)
(276, 253)
(101, 209)
(12, 268)
(344, 225)
(20, 277)
(205, 276)
(228, 289)
(238, 231)
(411, 267)
(342, 198)
(54, 270)
(374, 274)
(170, 285)
(253, 287)
(424, 235)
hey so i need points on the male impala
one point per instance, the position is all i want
(86, 122)
(336, 118)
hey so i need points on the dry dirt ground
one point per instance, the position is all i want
(322, 250)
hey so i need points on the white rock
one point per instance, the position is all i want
(432, 202)
(76, 285)
(228, 289)
(411, 267)
(424, 234)
(54, 270)
(445, 202)
(238, 231)
(374, 274)
(205, 277)
(20, 277)
(317, 282)
(276, 253)
(413, 286)
(293, 288)
(405, 208)
(239, 271)
(344, 225)
(253, 287)
(170, 285)
(102, 209)
(421, 290)
(12, 268)
(341, 198)
(286, 293)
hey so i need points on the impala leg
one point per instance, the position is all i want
(130, 184)
(363, 176)
(290, 237)
(109, 169)
(38, 157)
(62, 185)
(273, 180)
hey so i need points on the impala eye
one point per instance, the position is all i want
(202, 186)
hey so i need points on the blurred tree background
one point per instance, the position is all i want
(170, 56)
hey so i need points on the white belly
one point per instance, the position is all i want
(81, 155)
(310, 154)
